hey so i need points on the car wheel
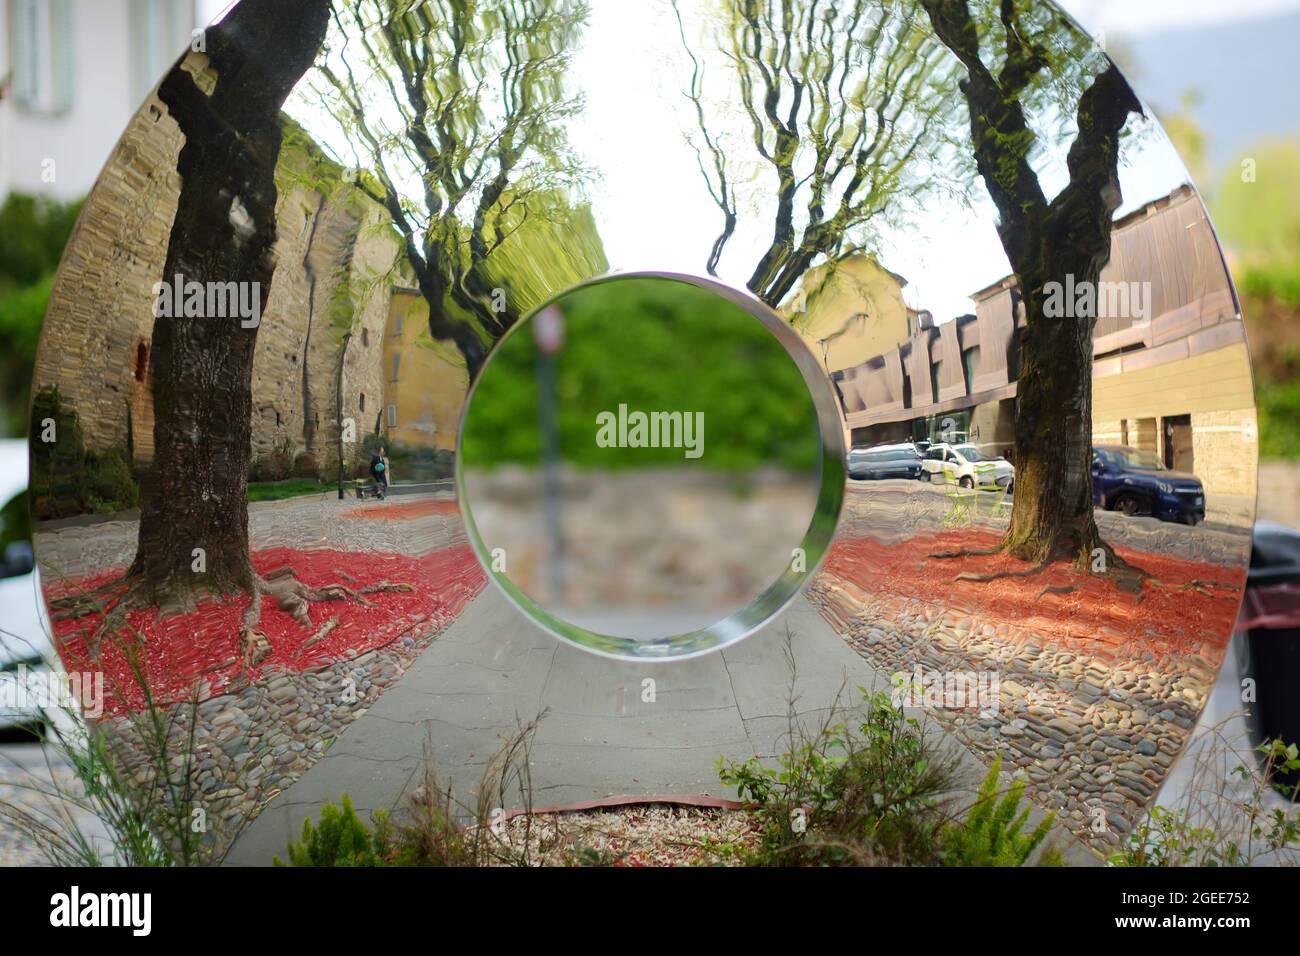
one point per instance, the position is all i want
(1128, 505)
(967, 483)
(936, 477)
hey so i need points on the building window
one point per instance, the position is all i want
(141, 361)
(41, 51)
(397, 362)
(397, 323)
(970, 365)
(363, 401)
(936, 372)
(392, 416)
(158, 36)
(365, 337)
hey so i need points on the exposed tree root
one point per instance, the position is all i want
(966, 553)
(92, 601)
(1057, 589)
(999, 575)
(294, 598)
(1127, 577)
(114, 599)
(321, 634)
(255, 646)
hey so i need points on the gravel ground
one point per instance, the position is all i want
(1094, 738)
(31, 779)
(641, 835)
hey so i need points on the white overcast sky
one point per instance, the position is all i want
(1152, 16)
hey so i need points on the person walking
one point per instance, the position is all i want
(379, 472)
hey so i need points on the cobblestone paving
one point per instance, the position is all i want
(251, 744)
(1094, 736)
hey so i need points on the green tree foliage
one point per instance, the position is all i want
(844, 108)
(453, 113)
(1256, 209)
(33, 231)
(1256, 206)
(653, 345)
(22, 311)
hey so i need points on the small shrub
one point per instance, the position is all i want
(277, 466)
(109, 483)
(339, 839)
(849, 796)
(306, 466)
(1222, 822)
(425, 831)
(67, 479)
(991, 834)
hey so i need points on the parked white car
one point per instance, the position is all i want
(965, 465)
(25, 647)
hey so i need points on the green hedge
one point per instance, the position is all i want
(653, 345)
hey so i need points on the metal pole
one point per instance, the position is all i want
(548, 333)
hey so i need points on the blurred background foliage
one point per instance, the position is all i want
(653, 345)
(1255, 205)
(33, 231)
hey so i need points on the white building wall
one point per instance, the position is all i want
(113, 45)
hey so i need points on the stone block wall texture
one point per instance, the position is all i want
(1225, 450)
(334, 256)
(334, 253)
(427, 380)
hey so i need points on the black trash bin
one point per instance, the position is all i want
(1270, 616)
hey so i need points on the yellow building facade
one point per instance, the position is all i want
(848, 311)
(425, 381)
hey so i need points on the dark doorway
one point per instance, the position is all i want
(1178, 443)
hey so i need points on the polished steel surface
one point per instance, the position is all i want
(1031, 308)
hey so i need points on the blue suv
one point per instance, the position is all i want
(1136, 483)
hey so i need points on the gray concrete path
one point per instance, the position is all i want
(599, 738)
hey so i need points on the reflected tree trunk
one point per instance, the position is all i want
(1052, 515)
(193, 535)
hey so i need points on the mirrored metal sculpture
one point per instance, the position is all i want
(1000, 333)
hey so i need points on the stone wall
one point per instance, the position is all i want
(334, 255)
(334, 252)
(1225, 448)
(100, 312)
